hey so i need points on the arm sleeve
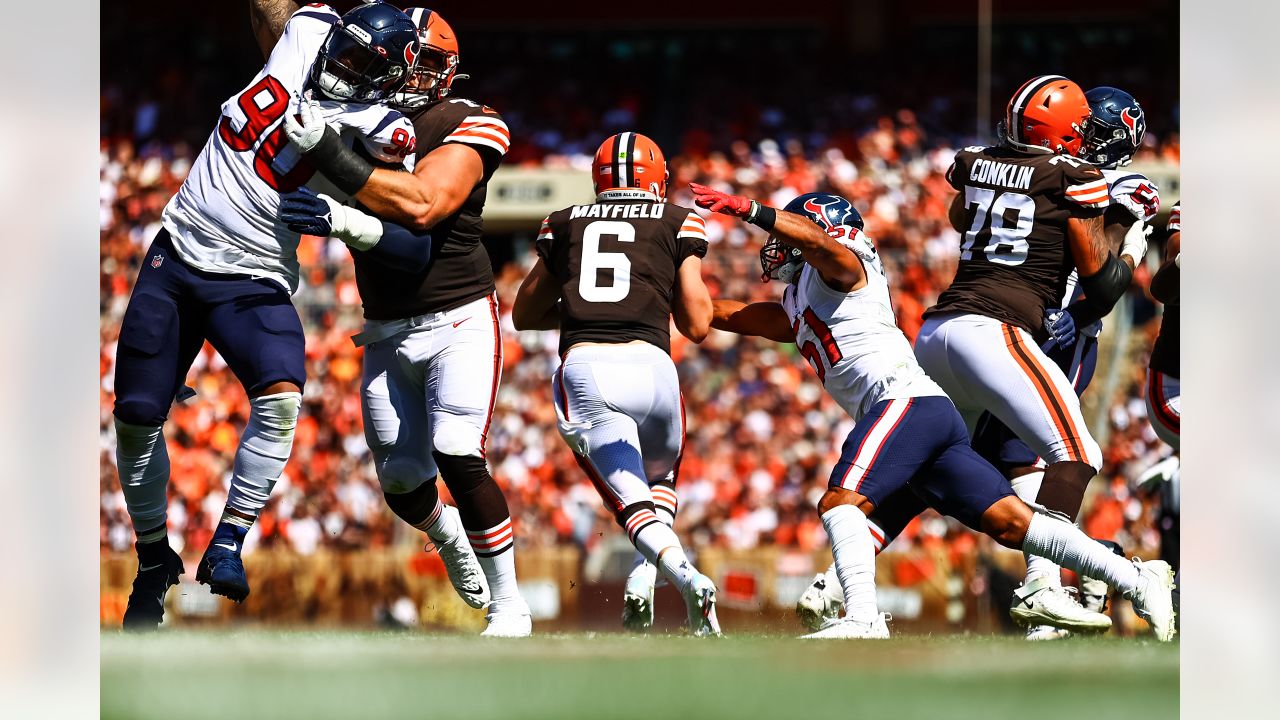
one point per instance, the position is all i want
(957, 173)
(691, 238)
(401, 248)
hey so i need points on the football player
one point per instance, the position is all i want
(432, 348)
(908, 434)
(1029, 211)
(611, 276)
(1114, 132)
(1164, 395)
(222, 269)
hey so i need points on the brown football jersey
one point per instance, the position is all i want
(617, 262)
(459, 271)
(1014, 258)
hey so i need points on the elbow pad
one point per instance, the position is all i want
(1101, 291)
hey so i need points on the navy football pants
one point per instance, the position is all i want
(174, 308)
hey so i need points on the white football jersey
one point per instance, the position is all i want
(223, 218)
(1133, 192)
(852, 339)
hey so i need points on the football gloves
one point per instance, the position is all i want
(307, 213)
(1061, 328)
(1135, 242)
(719, 202)
(306, 134)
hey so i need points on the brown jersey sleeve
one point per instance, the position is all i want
(477, 126)
(691, 239)
(1084, 186)
(959, 170)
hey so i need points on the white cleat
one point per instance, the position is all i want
(1093, 593)
(637, 598)
(509, 622)
(1153, 599)
(464, 569)
(700, 600)
(818, 606)
(850, 629)
(1040, 633)
(1038, 602)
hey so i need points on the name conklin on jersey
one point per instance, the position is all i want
(998, 173)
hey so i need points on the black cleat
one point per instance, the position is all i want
(222, 570)
(155, 576)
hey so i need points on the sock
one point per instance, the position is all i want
(143, 461)
(1027, 488)
(665, 503)
(676, 566)
(264, 449)
(230, 533)
(421, 508)
(487, 522)
(1070, 547)
(855, 560)
(834, 590)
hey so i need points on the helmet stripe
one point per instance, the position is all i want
(631, 159)
(616, 168)
(1019, 104)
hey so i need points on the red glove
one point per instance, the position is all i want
(716, 201)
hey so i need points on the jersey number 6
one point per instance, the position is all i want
(257, 119)
(594, 260)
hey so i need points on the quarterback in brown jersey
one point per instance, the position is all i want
(432, 350)
(611, 275)
(1029, 212)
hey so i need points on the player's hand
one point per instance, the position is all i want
(716, 201)
(1061, 328)
(307, 213)
(1135, 242)
(307, 133)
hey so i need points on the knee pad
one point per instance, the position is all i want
(142, 411)
(398, 475)
(452, 437)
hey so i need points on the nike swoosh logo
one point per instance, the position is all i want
(461, 321)
(232, 548)
(473, 590)
(149, 568)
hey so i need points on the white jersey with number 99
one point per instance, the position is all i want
(223, 218)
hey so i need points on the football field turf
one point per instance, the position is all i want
(272, 674)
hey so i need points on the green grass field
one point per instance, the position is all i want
(357, 676)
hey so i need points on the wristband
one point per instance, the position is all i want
(339, 163)
(762, 216)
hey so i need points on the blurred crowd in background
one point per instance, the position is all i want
(762, 434)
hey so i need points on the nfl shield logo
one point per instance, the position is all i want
(157, 260)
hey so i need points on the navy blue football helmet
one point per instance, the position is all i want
(367, 56)
(779, 261)
(1115, 130)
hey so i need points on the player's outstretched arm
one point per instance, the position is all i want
(692, 307)
(1166, 283)
(268, 18)
(307, 213)
(536, 302)
(763, 319)
(1103, 277)
(839, 266)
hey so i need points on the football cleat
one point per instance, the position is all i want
(223, 571)
(1153, 598)
(1037, 602)
(1093, 593)
(700, 601)
(850, 629)
(145, 610)
(509, 622)
(1039, 633)
(818, 605)
(637, 598)
(462, 566)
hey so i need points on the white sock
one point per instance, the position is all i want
(834, 590)
(264, 449)
(495, 549)
(855, 560)
(658, 543)
(676, 566)
(440, 526)
(666, 514)
(1070, 547)
(143, 461)
(1027, 487)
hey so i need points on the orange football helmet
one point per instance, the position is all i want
(1048, 114)
(437, 66)
(630, 160)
